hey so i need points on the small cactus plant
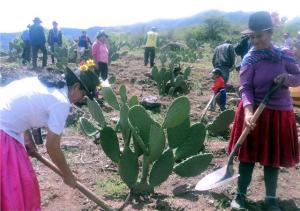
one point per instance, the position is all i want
(160, 145)
(170, 80)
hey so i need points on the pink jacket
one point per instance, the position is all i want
(100, 51)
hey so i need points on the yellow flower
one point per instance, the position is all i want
(90, 63)
(84, 67)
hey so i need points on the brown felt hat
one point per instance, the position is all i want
(87, 79)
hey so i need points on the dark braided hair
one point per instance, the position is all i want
(52, 80)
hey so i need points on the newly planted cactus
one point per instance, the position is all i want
(171, 80)
(173, 146)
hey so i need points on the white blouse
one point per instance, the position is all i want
(27, 103)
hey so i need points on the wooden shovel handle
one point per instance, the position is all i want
(256, 115)
(207, 106)
(246, 132)
(82, 188)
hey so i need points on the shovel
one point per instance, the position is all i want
(82, 188)
(226, 174)
(207, 106)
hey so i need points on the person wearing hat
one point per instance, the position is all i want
(38, 41)
(151, 42)
(100, 54)
(26, 45)
(84, 44)
(219, 90)
(273, 141)
(54, 39)
(34, 102)
(224, 58)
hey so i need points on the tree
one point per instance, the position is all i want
(215, 29)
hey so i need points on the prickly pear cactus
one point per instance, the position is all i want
(133, 101)
(194, 143)
(141, 122)
(221, 123)
(88, 127)
(186, 73)
(159, 146)
(123, 94)
(124, 124)
(177, 112)
(162, 168)
(179, 134)
(110, 97)
(96, 112)
(156, 141)
(112, 79)
(167, 82)
(193, 165)
(110, 144)
(129, 167)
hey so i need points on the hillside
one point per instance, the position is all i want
(161, 24)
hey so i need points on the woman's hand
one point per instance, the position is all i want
(282, 78)
(29, 144)
(248, 117)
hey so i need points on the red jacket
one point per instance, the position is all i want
(219, 84)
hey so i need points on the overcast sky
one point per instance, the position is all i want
(15, 15)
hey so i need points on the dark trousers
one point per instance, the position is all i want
(149, 52)
(102, 70)
(26, 52)
(270, 178)
(52, 53)
(35, 50)
(220, 99)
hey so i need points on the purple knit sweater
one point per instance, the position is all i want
(257, 75)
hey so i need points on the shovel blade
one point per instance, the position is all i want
(216, 179)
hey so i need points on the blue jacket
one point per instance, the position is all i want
(25, 35)
(55, 36)
(37, 36)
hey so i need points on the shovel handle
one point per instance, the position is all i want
(256, 115)
(207, 106)
(82, 188)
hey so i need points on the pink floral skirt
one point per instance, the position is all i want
(19, 189)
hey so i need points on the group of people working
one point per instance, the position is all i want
(45, 100)
(34, 39)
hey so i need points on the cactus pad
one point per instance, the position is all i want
(88, 128)
(177, 112)
(162, 168)
(110, 144)
(193, 166)
(129, 167)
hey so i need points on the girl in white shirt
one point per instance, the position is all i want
(42, 101)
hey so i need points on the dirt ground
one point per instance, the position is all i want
(97, 172)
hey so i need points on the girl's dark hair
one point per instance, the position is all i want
(52, 80)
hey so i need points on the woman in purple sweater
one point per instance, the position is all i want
(273, 141)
